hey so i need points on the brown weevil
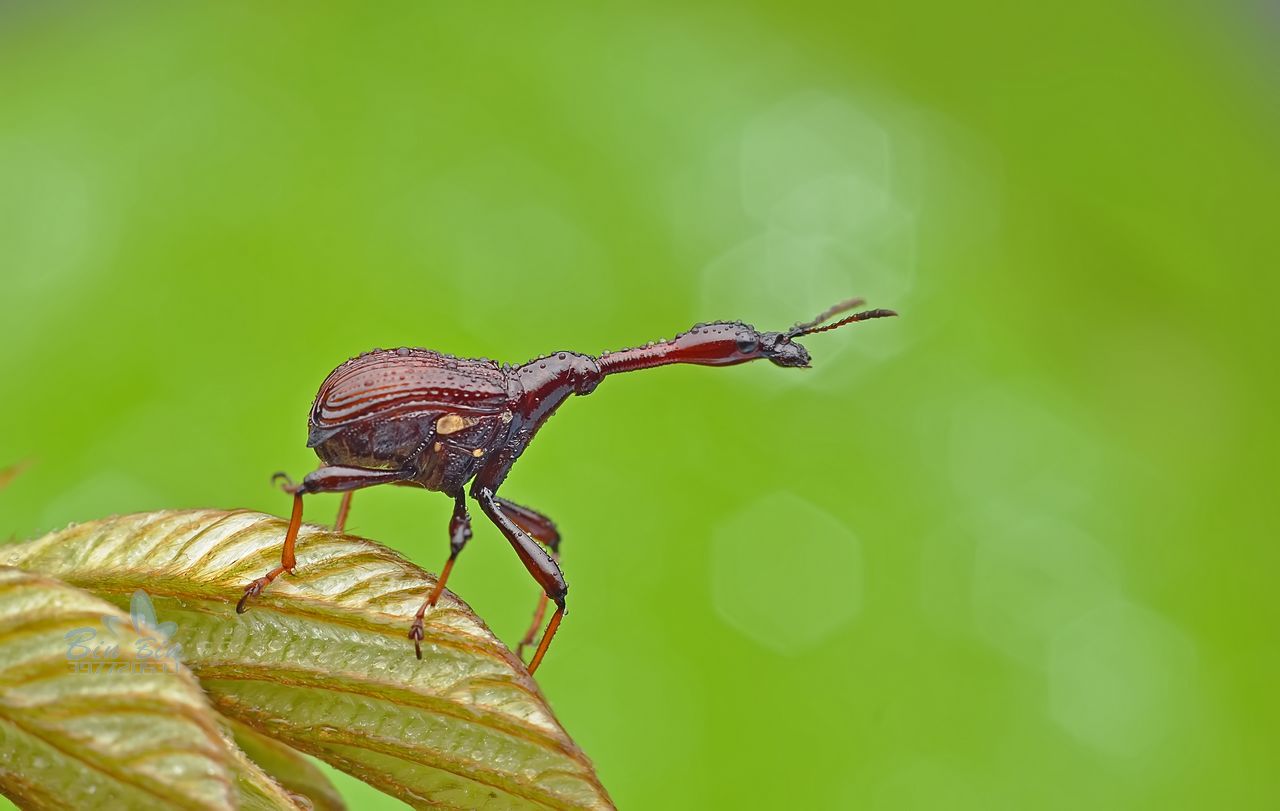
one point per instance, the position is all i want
(418, 417)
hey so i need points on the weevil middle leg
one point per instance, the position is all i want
(459, 534)
(340, 523)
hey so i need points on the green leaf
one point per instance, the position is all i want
(321, 662)
(127, 729)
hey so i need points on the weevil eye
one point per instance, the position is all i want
(747, 343)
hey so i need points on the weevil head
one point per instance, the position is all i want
(782, 350)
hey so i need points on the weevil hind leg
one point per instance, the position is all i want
(287, 558)
(324, 480)
(255, 588)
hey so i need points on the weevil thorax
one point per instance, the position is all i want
(547, 381)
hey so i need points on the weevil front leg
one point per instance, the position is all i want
(536, 559)
(543, 530)
(331, 479)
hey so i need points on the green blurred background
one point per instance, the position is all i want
(1012, 550)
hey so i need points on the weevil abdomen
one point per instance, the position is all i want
(380, 408)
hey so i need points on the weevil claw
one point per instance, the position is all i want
(416, 633)
(252, 590)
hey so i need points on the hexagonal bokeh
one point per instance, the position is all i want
(1012, 443)
(816, 145)
(1032, 577)
(1120, 678)
(786, 573)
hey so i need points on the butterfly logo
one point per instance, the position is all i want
(142, 615)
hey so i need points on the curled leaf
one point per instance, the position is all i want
(321, 661)
(91, 717)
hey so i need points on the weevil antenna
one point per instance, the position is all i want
(830, 312)
(815, 326)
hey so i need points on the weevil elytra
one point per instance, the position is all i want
(418, 417)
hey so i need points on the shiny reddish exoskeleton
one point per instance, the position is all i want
(421, 418)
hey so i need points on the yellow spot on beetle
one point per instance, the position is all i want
(478, 452)
(450, 424)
